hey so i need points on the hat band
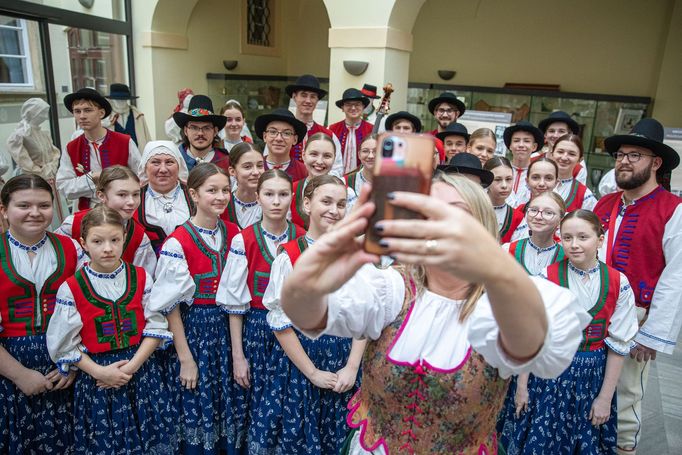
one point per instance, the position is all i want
(199, 112)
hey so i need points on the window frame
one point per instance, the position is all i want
(22, 29)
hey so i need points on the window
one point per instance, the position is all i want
(258, 23)
(15, 61)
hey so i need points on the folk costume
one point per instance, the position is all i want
(304, 418)
(575, 195)
(354, 180)
(126, 118)
(107, 315)
(643, 241)
(533, 258)
(82, 157)
(294, 168)
(430, 383)
(241, 290)
(241, 213)
(218, 156)
(351, 135)
(520, 191)
(137, 248)
(557, 419)
(580, 170)
(508, 220)
(41, 423)
(448, 98)
(190, 267)
(296, 212)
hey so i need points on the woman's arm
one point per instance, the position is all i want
(240, 367)
(348, 374)
(189, 373)
(289, 341)
(601, 406)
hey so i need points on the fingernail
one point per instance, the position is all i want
(383, 243)
(390, 196)
(379, 228)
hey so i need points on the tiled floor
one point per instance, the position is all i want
(662, 407)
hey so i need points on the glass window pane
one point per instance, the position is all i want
(108, 9)
(13, 71)
(10, 41)
(9, 21)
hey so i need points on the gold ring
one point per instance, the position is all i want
(431, 245)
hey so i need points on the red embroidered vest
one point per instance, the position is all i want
(114, 150)
(296, 152)
(638, 250)
(25, 312)
(417, 410)
(155, 233)
(595, 333)
(294, 248)
(110, 325)
(260, 260)
(341, 130)
(512, 220)
(298, 215)
(576, 195)
(518, 250)
(133, 236)
(296, 170)
(205, 264)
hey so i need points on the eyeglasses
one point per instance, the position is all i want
(203, 129)
(545, 214)
(273, 133)
(444, 111)
(632, 157)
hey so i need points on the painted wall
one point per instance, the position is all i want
(668, 103)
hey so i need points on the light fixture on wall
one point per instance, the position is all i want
(230, 64)
(355, 67)
(446, 75)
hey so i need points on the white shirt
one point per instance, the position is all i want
(607, 184)
(563, 189)
(63, 334)
(248, 213)
(536, 259)
(520, 192)
(155, 213)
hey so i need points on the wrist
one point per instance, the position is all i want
(238, 356)
(186, 358)
(310, 373)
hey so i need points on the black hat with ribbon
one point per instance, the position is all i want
(306, 82)
(557, 117)
(280, 115)
(370, 91)
(466, 163)
(526, 126)
(647, 133)
(447, 97)
(403, 115)
(352, 94)
(200, 109)
(87, 94)
(120, 92)
(454, 129)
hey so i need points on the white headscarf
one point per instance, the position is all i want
(34, 112)
(154, 148)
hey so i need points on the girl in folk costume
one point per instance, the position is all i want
(429, 378)
(366, 154)
(482, 144)
(576, 413)
(539, 249)
(508, 219)
(232, 133)
(246, 167)
(314, 379)
(318, 157)
(164, 200)
(190, 266)
(119, 188)
(567, 153)
(543, 176)
(35, 406)
(240, 294)
(106, 325)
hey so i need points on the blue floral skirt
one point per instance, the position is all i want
(132, 419)
(39, 424)
(557, 420)
(296, 417)
(206, 418)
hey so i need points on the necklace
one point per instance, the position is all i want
(244, 205)
(167, 205)
(29, 248)
(275, 238)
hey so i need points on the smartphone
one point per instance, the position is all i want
(404, 162)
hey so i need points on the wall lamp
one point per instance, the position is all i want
(230, 64)
(446, 75)
(355, 67)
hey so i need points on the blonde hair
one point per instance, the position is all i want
(480, 209)
(482, 133)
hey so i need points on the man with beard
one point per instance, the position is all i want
(447, 109)
(644, 241)
(200, 127)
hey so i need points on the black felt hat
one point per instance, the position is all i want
(647, 133)
(454, 129)
(281, 115)
(466, 163)
(352, 94)
(403, 115)
(87, 94)
(306, 82)
(526, 126)
(120, 92)
(559, 116)
(447, 97)
(200, 109)
(370, 91)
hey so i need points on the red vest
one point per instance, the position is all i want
(433, 132)
(294, 248)
(512, 220)
(296, 170)
(576, 195)
(298, 215)
(518, 250)
(340, 129)
(296, 153)
(204, 263)
(132, 241)
(638, 250)
(260, 260)
(20, 303)
(110, 325)
(114, 150)
(155, 233)
(595, 333)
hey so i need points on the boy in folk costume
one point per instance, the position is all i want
(97, 148)
(446, 108)
(643, 225)
(522, 139)
(353, 129)
(281, 131)
(306, 93)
